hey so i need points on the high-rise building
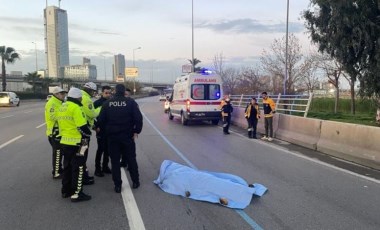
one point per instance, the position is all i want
(56, 41)
(119, 66)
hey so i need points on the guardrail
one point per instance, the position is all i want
(286, 104)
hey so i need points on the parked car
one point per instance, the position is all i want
(9, 99)
(48, 97)
(162, 97)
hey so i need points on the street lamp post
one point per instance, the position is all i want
(192, 35)
(286, 47)
(134, 78)
(35, 51)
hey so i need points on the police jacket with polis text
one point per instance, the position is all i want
(121, 115)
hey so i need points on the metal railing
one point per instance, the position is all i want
(287, 104)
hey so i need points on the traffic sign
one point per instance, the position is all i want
(131, 72)
(120, 78)
(187, 68)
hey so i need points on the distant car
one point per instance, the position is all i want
(166, 106)
(9, 99)
(48, 97)
(162, 97)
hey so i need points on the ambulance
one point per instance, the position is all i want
(195, 97)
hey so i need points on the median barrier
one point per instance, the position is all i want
(357, 143)
(299, 130)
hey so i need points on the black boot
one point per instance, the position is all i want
(99, 173)
(249, 134)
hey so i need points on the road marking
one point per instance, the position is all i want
(40, 125)
(310, 159)
(243, 215)
(6, 116)
(10, 141)
(29, 111)
(134, 217)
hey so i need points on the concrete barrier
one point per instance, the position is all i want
(357, 143)
(299, 130)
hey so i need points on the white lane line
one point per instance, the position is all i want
(29, 111)
(133, 213)
(310, 159)
(40, 125)
(6, 116)
(10, 141)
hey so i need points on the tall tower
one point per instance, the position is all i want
(119, 66)
(56, 41)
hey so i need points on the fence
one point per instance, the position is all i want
(287, 104)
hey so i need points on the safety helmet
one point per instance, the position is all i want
(90, 85)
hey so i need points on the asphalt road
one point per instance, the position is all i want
(305, 190)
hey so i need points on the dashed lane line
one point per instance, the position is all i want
(134, 217)
(10, 141)
(6, 116)
(29, 111)
(40, 125)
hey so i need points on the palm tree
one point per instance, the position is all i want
(45, 84)
(8, 55)
(194, 63)
(33, 78)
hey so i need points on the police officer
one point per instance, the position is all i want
(132, 148)
(75, 134)
(122, 120)
(227, 109)
(88, 91)
(52, 132)
(101, 137)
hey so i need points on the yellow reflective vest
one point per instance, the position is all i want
(70, 117)
(88, 108)
(51, 109)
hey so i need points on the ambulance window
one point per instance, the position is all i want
(198, 92)
(214, 92)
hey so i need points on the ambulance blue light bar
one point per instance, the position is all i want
(205, 71)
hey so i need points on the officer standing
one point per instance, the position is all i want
(88, 91)
(100, 169)
(252, 114)
(132, 148)
(269, 108)
(123, 121)
(75, 134)
(52, 132)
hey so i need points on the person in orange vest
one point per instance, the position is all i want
(227, 109)
(269, 108)
(252, 114)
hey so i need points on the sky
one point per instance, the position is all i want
(239, 29)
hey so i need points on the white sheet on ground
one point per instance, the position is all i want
(178, 179)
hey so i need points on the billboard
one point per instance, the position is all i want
(131, 72)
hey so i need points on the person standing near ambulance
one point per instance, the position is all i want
(269, 108)
(88, 91)
(75, 135)
(252, 114)
(52, 132)
(227, 109)
(123, 121)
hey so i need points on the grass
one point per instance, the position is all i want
(359, 118)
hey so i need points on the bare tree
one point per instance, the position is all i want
(310, 79)
(333, 70)
(218, 64)
(230, 80)
(250, 81)
(273, 62)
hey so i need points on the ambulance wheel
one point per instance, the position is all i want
(183, 119)
(215, 122)
(170, 115)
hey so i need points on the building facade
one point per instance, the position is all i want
(56, 41)
(119, 67)
(86, 71)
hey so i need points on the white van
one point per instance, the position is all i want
(9, 99)
(196, 96)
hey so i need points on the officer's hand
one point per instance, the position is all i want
(135, 136)
(97, 130)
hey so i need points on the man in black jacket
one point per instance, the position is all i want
(100, 168)
(123, 121)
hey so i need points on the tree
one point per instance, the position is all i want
(45, 83)
(349, 32)
(230, 80)
(273, 62)
(194, 63)
(9, 56)
(333, 70)
(218, 64)
(33, 78)
(250, 81)
(309, 67)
